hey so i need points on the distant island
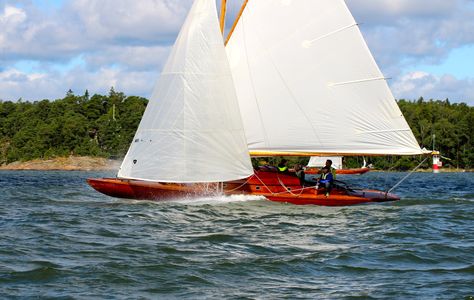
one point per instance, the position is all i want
(83, 132)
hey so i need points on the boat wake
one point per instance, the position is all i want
(217, 199)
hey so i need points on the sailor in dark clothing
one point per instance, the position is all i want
(331, 169)
(283, 166)
(299, 171)
(326, 180)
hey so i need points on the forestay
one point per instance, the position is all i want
(192, 129)
(307, 83)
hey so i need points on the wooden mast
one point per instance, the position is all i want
(236, 21)
(223, 12)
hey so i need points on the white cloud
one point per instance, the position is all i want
(83, 26)
(119, 21)
(12, 15)
(10, 19)
(124, 43)
(15, 84)
(421, 84)
(136, 58)
(405, 32)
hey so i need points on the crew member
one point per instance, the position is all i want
(326, 180)
(332, 170)
(283, 166)
(299, 171)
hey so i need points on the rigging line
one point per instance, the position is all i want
(307, 43)
(408, 175)
(270, 191)
(248, 179)
(357, 81)
(261, 181)
(302, 189)
(289, 189)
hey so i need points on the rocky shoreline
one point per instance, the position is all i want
(71, 163)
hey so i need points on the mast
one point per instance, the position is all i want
(223, 13)
(242, 8)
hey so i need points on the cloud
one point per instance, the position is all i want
(421, 84)
(404, 32)
(116, 43)
(96, 44)
(15, 84)
(117, 21)
(136, 58)
(83, 26)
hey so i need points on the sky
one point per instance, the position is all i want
(425, 47)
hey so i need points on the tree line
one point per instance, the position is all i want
(75, 125)
(104, 125)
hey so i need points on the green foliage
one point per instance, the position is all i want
(75, 125)
(452, 126)
(101, 125)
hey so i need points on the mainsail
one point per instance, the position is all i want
(192, 129)
(307, 83)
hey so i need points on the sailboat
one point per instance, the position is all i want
(268, 90)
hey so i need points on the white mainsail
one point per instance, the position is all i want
(307, 83)
(192, 129)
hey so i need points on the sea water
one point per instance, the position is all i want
(61, 239)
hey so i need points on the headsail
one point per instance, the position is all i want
(192, 128)
(307, 83)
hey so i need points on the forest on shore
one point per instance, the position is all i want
(104, 126)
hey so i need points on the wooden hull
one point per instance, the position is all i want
(273, 186)
(340, 171)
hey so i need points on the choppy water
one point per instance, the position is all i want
(61, 239)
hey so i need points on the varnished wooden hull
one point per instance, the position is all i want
(273, 186)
